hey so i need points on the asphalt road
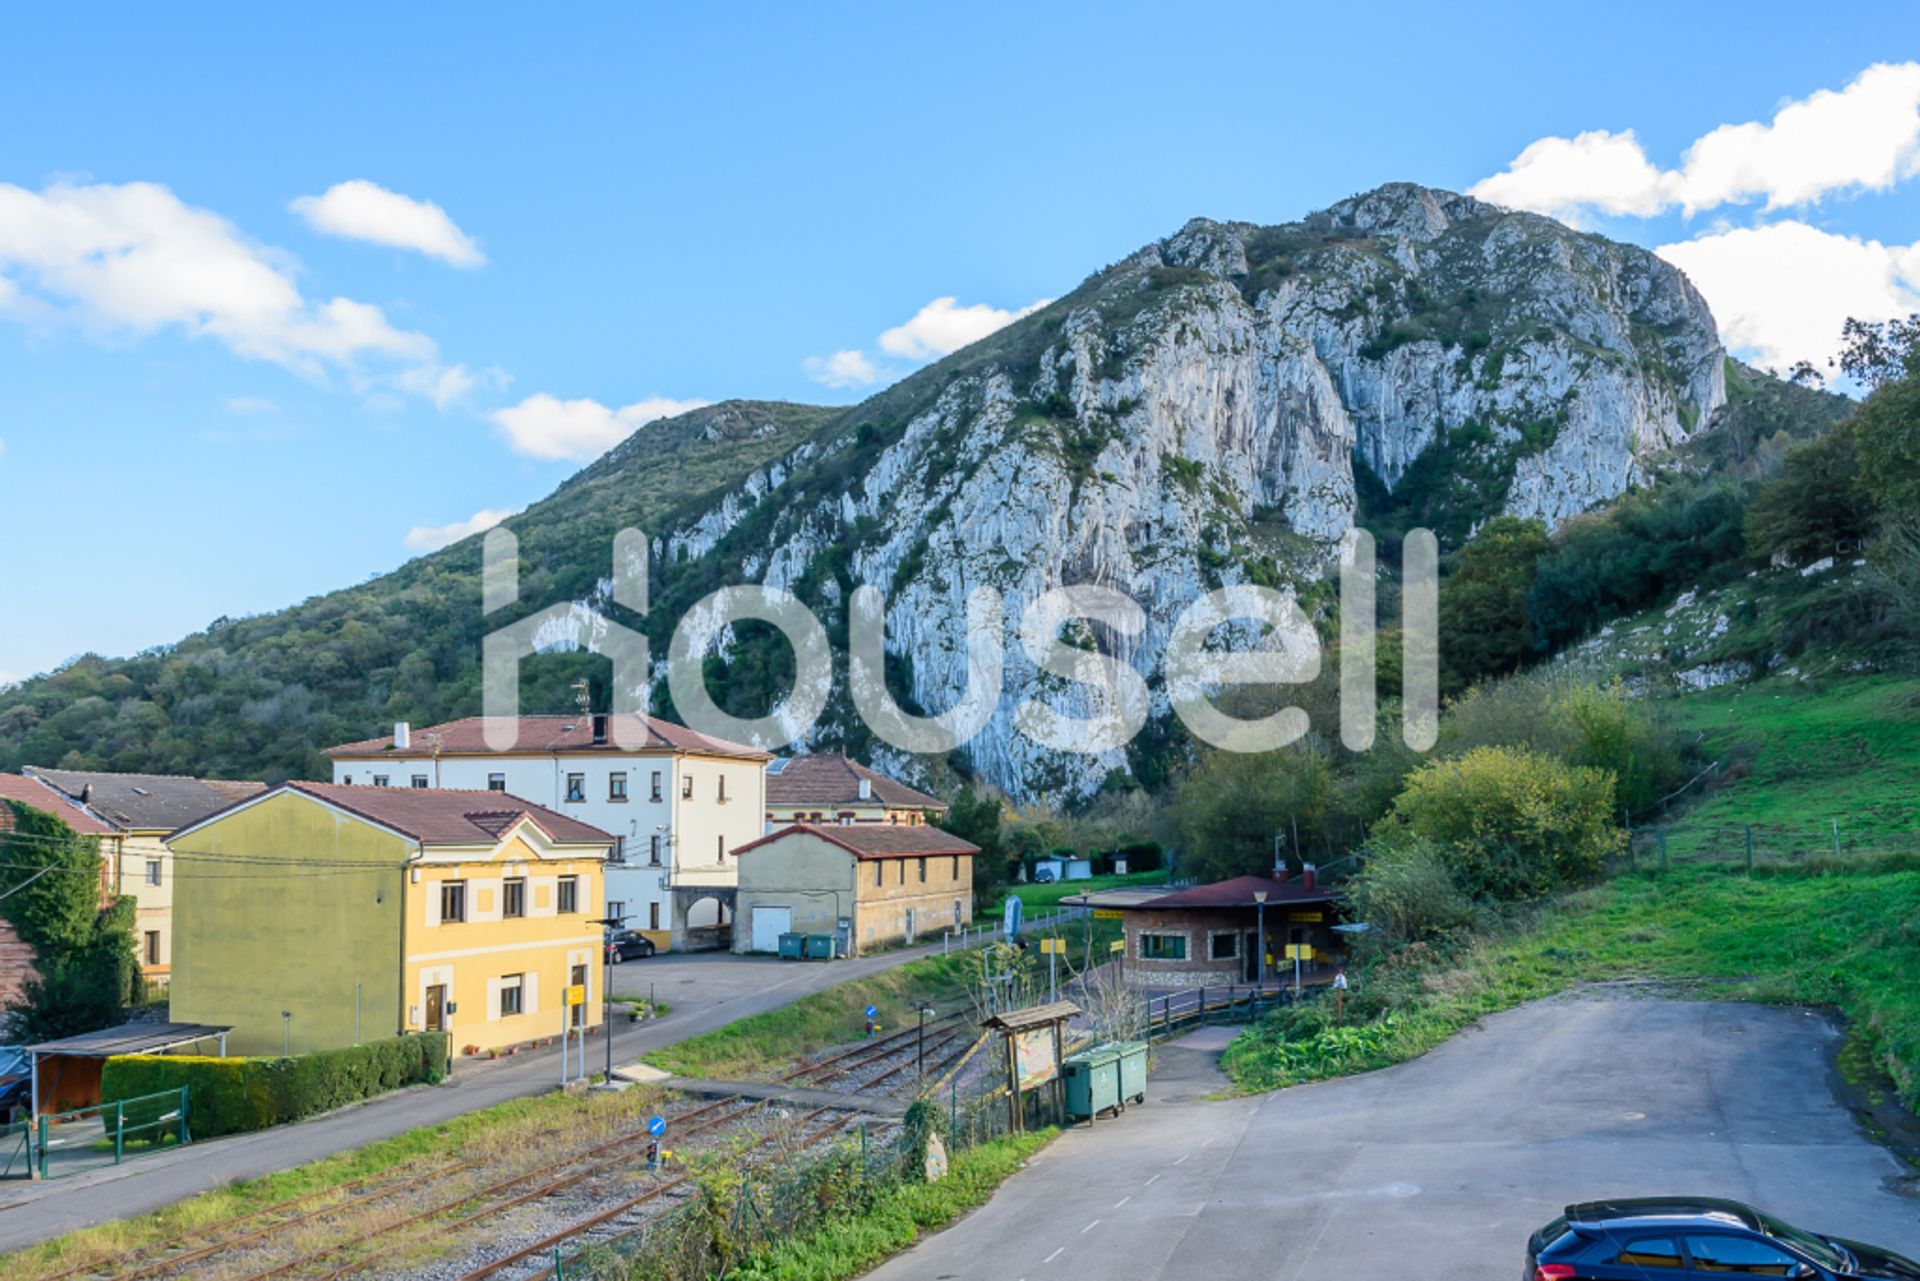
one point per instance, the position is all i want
(705, 990)
(1440, 1168)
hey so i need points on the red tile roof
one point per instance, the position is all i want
(829, 779)
(468, 737)
(875, 840)
(1239, 892)
(443, 816)
(32, 792)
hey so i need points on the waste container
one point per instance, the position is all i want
(819, 947)
(1133, 1071)
(1093, 1082)
(793, 947)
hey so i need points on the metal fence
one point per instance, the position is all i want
(1864, 844)
(108, 1133)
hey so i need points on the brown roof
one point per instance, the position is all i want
(443, 816)
(468, 737)
(146, 802)
(829, 779)
(1239, 892)
(32, 792)
(875, 840)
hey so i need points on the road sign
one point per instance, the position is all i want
(1299, 952)
(1108, 914)
(873, 1011)
(1053, 945)
(657, 1126)
(1340, 981)
(577, 994)
(1117, 946)
(1306, 918)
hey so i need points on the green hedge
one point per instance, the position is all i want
(226, 1096)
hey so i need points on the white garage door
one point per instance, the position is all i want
(769, 923)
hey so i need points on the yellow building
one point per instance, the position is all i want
(318, 915)
(141, 810)
(868, 885)
(824, 787)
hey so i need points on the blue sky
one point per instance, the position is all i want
(542, 226)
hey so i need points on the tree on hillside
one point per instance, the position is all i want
(1233, 809)
(975, 816)
(1816, 505)
(50, 894)
(1485, 626)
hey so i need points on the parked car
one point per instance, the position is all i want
(16, 1081)
(1643, 1238)
(626, 945)
(1045, 876)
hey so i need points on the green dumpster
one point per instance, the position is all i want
(1093, 1082)
(793, 947)
(1133, 1071)
(819, 947)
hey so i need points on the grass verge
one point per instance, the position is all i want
(1041, 897)
(847, 1247)
(507, 1128)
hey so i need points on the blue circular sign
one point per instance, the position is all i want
(873, 1011)
(657, 1126)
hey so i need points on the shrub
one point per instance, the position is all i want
(1408, 895)
(1511, 824)
(233, 1095)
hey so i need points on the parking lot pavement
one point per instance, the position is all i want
(706, 990)
(1447, 1162)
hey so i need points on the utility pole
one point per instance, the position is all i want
(608, 923)
(1260, 928)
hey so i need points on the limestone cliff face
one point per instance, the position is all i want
(1219, 408)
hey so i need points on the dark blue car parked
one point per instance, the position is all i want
(1694, 1237)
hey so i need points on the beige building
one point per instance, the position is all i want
(826, 788)
(142, 810)
(867, 885)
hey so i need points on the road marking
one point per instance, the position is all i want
(1122, 1201)
(1183, 1160)
(1090, 1227)
(1149, 1182)
(1056, 1254)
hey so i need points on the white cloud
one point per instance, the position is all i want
(1865, 137)
(547, 427)
(135, 258)
(447, 384)
(1781, 292)
(842, 369)
(249, 405)
(362, 210)
(431, 538)
(943, 327)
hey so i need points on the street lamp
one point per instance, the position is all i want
(1260, 928)
(606, 987)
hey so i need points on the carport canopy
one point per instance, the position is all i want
(75, 1060)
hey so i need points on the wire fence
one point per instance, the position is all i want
(1813, 847)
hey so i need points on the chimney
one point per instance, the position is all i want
(866, 789)
(1309, 875)
(402, 736)
(599, 729)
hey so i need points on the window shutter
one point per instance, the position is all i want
(430, 891)
(530, 993)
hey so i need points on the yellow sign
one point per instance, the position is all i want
(1053, 945)
(577, 994)
(1108, 914)
(1306, 917)
(1299, 951)
(1117, 946)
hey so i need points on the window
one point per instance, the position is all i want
(381, 780)
(153, 947)
(956, 867)
(686, 788)
(720, 854)
(153, 871)
(616, 787)
(653, 916)
(653, 850)
(1223, 947)
(846, 818)
(722, 792)
(453, 900)
(619, 854)
(923, 871)
(511, 987)
(1163, 947)
(513, 896)
(420, 781)
(1653, 1252)
(496, 782)
(569, 894)
(879, 871)
(616, 910)
(1740, 1256)
(656, 785)
(576, 787)
(346, 780)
